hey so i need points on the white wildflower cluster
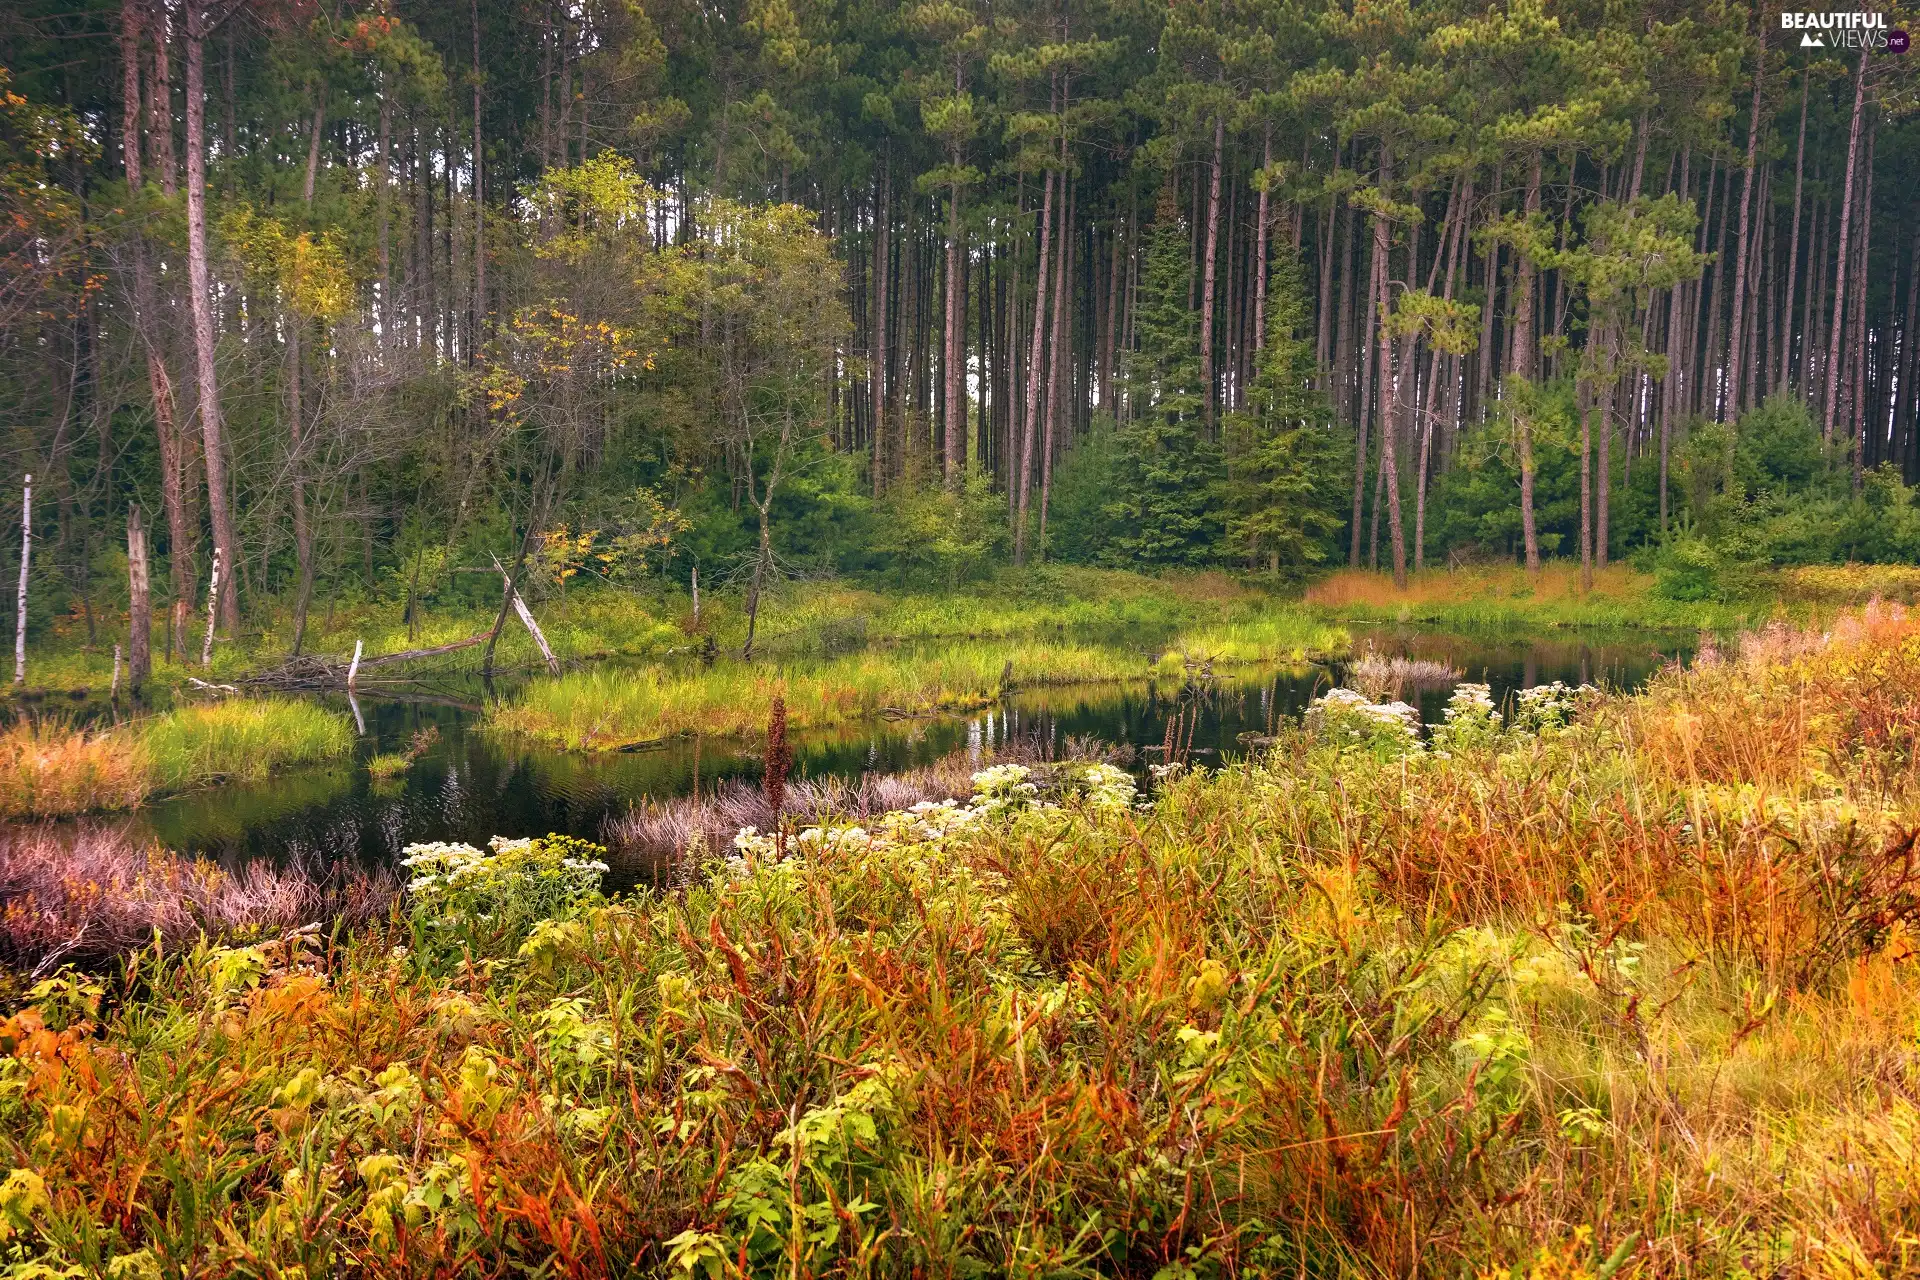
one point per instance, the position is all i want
(1471, 721)
(1109, 787)
(999, 792)
(511, 878)
(1547, 706)
(1349, 720)
(1003, 788)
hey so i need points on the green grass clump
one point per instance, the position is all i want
(240, 740)
(391, 764)
(607, 708)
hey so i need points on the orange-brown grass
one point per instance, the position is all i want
(1504, 595)
(1557, 581)
(1569, 1005)
(51, 769)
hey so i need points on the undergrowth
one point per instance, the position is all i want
(1592, 985)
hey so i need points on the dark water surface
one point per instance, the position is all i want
(472, 784)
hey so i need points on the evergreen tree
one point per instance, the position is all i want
(1284, 460)
(1165, 473)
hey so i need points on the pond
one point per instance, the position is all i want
(471, 784)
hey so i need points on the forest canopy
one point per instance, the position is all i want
(344, 297)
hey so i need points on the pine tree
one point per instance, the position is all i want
(1166, 475)
(1284, 460)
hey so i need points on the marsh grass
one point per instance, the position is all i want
(606, 708)
(49, 768)
(1633, 997)
(243, 739)
(1503, 595)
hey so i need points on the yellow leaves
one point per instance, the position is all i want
(573, 211)
(546, 347)
(310, 271)
(22, 1195)
(1209, 986)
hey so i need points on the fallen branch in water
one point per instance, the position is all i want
(318, 673)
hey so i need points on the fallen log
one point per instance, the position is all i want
(317, 673)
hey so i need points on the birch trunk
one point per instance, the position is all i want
(200, 286)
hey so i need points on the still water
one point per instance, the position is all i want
(472, 784)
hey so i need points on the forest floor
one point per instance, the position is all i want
(1631, 995)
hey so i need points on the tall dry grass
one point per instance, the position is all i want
(50, 769)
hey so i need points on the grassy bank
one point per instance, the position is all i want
(1505, 595)
(591, 621)
(1634, 997)
(607, 707)
(52, 769)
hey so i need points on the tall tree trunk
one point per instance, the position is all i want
(1584, 395)
(1603, 483)
(1491, 271)
(877, 350)
(1116, 252)
(1713, 374)
(1260, 248)
(1060, 366)
(1363, 405)
(1903, 426)
(1389, 399)
(1207, 274)
(479, 199)
(212, 432)
(1736, 347)
(139, 601)
(296, 468)
(1523, 367)
(1030, 424)
(130, 131)
(954, 459)
(160, 103)
(1840, 265)
(1793, 243)
(1670, 390)
(387, 309)
(1861, 417)
(313, 146)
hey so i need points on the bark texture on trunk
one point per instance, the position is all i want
(1207, 276)
(1030, 424)
(200, 285)
(1840, 265)
(139, 601)
(1736, 347)
(1523, 367)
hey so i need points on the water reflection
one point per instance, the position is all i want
(472, 784)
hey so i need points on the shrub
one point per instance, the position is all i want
(1348, 721)
(487, 900)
